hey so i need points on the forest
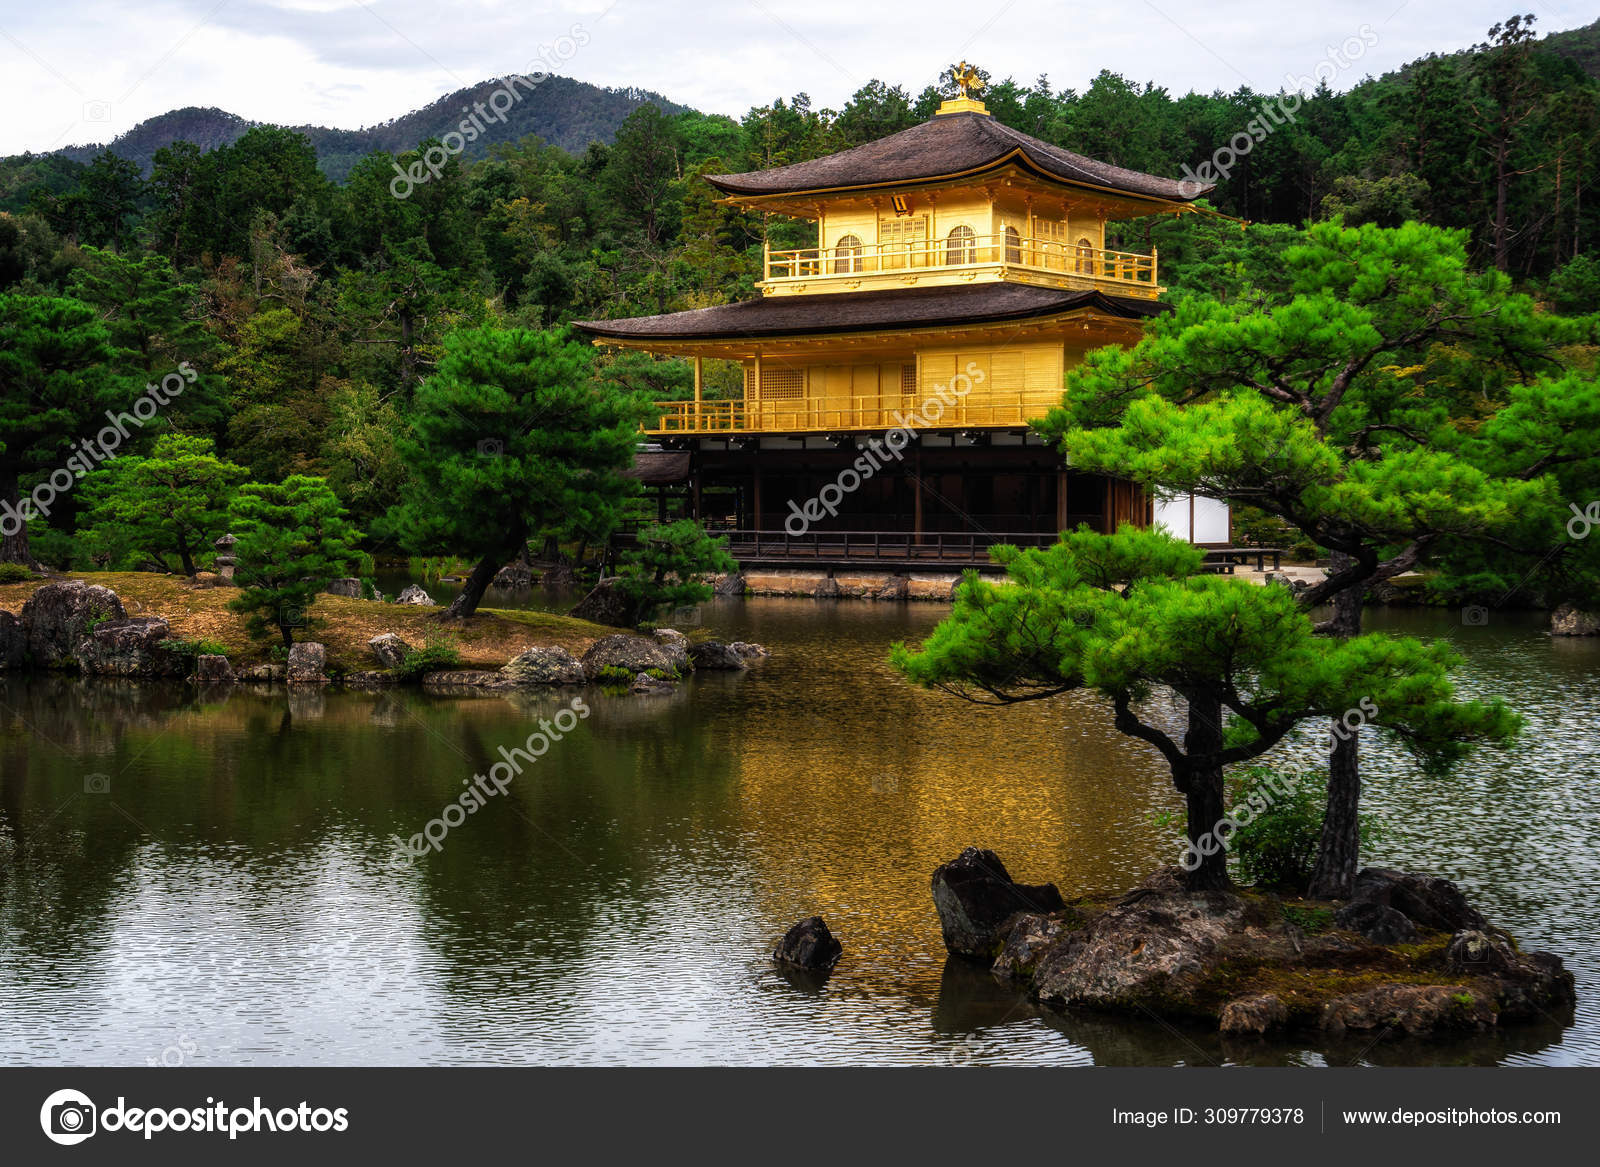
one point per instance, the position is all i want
(304, 313)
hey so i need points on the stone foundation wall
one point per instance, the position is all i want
(860, 585)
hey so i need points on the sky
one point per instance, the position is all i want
(80, 71)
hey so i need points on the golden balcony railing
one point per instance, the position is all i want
(879, 411)
(1047, 256)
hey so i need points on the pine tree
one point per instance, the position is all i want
(1124, 615)
(511, 438)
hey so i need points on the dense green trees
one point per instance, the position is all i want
(56, 377)
(311, 310)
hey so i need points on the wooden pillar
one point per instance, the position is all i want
(755, 490)
(1062, 510)
(697, 383)
(916, 496)
(694, 494)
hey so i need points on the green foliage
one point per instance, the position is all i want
(14, 573)
(171, 503)
(664, 568)
(1308, 920)
(56, 377)
(293, 538)
(190, 649)
(1277, 848)
(434, 656)
(1335, 406)
(1575, 287)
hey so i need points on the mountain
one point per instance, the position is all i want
(1578, 44)
(564, 112)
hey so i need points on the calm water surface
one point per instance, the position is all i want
(231, 898)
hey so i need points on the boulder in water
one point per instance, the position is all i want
(306, 663)
(976, 899)
(545, 665)
(809, 945)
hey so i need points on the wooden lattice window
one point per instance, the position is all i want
(782, 384)
(1013, 245)
(960, 246)
(902, 237)
(847, 255)
(1086, 256)
(908, 378)
(1050, 243)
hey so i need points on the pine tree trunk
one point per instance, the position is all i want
(14, 546)
(477, 583)
(1203, 794)
(1339, 850)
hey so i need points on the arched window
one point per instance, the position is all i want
(847, 255)
(960, 246)
(1013, 245)
(1085, 256)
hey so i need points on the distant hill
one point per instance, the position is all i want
(564, 112)
(1578, 44)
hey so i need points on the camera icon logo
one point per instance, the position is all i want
(1474, 615)
(292, 617)
(97, 111)
(687, 616)
(97, 783)
(68, 1117)
(491, 447)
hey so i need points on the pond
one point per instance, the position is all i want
(213, 882)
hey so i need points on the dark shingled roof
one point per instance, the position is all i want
(868, 311)
(956, 143)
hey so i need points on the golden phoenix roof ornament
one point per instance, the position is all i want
(967, 80)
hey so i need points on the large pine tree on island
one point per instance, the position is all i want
(1123, 615)
(511, 438)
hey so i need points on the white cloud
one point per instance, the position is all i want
(77, 71)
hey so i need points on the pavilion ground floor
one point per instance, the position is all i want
(1008, 483)
(853, 498)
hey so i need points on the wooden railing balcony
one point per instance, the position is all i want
(978, 409)
(880, 263)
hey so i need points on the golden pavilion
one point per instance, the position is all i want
(959, 269)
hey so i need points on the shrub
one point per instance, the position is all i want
(195, 648)
(1278, 847)
(14, 573)
(432, 657)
